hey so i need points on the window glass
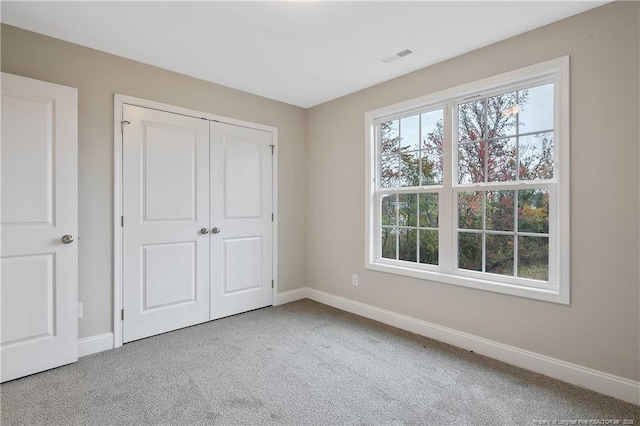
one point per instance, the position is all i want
(469, 187)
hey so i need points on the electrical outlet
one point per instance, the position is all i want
(79, 310)
(354, 280)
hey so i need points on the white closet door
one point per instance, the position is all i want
(39, 207)
(241, 209)
(166, 222)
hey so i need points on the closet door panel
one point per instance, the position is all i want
(241, 209)
(166, 209)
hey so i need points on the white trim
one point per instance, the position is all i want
(118, 103)
(146, 103)
(119, 100)
(291, 296)
(597, 381)
(604, 383)
(562, 151)
(94, 344)
(557, 289)
(274, 207)
(483, 283)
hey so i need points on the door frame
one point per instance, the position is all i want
(119, 100)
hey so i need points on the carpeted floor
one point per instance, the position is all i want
(300, 363)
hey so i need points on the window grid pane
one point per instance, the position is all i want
(410, 168)
(500, 140)
(470, 251)
(408, 210)
(504, 133)
(388, 242)
(428, 246)
(502, 221)
(411, 150)
(390, 171)
(428, 208)
(409, 227)
(533, 258)
(499, 254)
(411, 156)
(490, 148)
(408, 245)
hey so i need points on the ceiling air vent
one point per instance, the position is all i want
(398, 55)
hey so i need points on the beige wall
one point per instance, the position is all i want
(98, 76)
(321, 186)
(601, 328)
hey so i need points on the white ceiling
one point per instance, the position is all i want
(300, 52)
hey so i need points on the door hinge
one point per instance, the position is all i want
(121, 221)
(272, 147)
(271, 283)
(122, 124)
(122, 314)
(271, 217)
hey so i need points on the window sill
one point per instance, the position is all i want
(552, 294)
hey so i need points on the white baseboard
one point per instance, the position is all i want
(604, 383)
(290, 296)
(94, 344)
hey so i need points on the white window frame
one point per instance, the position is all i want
(558, 287)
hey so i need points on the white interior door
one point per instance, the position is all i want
(38, 289)
(166, 222)
(241, 210)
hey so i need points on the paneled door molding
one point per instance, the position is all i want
(245, 139)
(39, 283)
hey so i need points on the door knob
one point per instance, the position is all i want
(67, 239)
(204, 231)
(215, 230)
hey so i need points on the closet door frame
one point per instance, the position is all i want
(119, 100)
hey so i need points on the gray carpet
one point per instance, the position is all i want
(301, 363)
